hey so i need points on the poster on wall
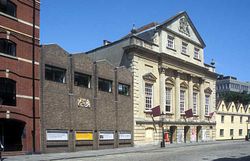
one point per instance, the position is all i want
(84, 135)
(57, 135)
(125, 135)
(106, 135)
(193, 134)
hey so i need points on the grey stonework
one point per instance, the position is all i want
(60, 111)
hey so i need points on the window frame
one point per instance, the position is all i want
(231, 133)
(107, 81)
(148, 96)
(221, 132)
(7, 9)
(82, 84)
(168, 99)
(184, 45)
(222, 119)
(170, 42)
(232, 119)
(195, 103)
(9, 47)
(240, 132)
(196, 53)
(8, 90)
(207, 104)
(55, 69)
(182, 100)
(121, 92)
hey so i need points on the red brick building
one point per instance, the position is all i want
(19, 101)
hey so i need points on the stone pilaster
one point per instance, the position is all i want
(177, 96)
(202, 100)
(162, 88)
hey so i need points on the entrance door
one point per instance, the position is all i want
(186, 134)
(173, 134)
(11, 132)
(198, 134)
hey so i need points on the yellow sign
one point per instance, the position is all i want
(84, 135)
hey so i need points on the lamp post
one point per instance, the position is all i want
(247, 121)
(162, 126)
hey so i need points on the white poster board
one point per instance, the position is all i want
(123, 135)
(57, 135)
(106, 135)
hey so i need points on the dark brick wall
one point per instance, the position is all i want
(108, 111)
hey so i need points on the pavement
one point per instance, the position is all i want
(96, 153)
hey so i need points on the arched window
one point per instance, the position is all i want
(7, 92)
(7, 47)
(8, 7)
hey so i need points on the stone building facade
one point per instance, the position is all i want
(232, 121)
(19, 118)
(167, 62)
(85, 105)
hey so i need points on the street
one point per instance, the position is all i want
(224, 151)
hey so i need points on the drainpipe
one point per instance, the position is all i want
(33, 80)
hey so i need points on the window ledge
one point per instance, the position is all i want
(171, 48)
(197, 59)
(169, 113)
(147, 111)
(8, 56)
(185, 54)
(8, 16)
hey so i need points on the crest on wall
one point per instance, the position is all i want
(184, 26)
(82, 102)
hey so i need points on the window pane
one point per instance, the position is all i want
(182, 101)
(207, 100)
(7, 92)
(82, 80)
(148, 96)
(55, 74)
(7, 47)
(168, 99)
(123, 89)
(104, 85)
(195, 103)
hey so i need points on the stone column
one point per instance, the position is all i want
(190, 92)
(162, 88)
(202, 99)
(177, 96)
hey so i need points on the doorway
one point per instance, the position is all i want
(173, 134)
(198, 134)
(11, 133)
(186, 134)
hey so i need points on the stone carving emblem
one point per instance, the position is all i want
(184, 26)
(82, 102)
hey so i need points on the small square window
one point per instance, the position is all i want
(184, 48)
(170, 42)
(123, 89)
(104, 85)
(196, 53)
(82, 80)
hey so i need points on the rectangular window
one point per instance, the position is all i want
(184, 48)
(82, 80)
(221, 132)
(7, 7)
(195, 95)
(170, 42)
(196, 53)
(182, 101)
(55, 74)
(123, 89)
(240, 132)
(241, 119)
(232, 119)
(7, 47)
(148, 96)
(168, 99)
(104, 85)
(207, 104)
(222, 119)
(231, 132)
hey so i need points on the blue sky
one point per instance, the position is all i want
(81, 25)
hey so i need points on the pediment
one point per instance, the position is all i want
(182, 25)
(149, 77)
(208, 90)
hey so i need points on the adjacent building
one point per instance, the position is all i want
(167, 62)
(19, 103)
(232, 121)
(85, 105)
(231, 84)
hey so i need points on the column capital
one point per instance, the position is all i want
(201, 80)
(177, 73)
(162, 70)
